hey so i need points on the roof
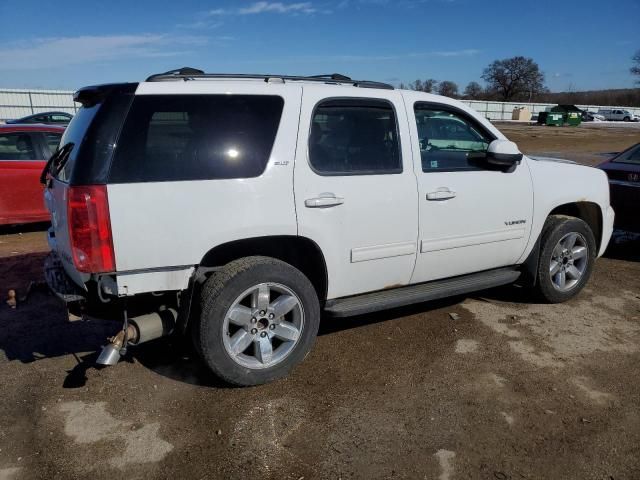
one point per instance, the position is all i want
(30, 127)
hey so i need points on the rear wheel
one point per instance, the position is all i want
(567, 254)
(259, 319)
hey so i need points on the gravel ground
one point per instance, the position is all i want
(509, 389)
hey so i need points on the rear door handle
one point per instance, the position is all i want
(441, 195)
(324, 200)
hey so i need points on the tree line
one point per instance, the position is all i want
(520, 79)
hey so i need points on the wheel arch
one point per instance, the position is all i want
(589, 212)
(300, 252)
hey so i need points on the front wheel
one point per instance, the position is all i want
(259, 318)
(567, 255)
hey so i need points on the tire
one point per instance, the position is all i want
(240, 317)
(627, 119)
(555, 256)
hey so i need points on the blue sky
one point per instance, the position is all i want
(66, 44)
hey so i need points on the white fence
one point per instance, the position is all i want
(503, 110)
(19, 103)
(15, 103)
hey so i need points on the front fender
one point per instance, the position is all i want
(562, 183)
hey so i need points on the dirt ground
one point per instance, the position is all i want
(509, 389)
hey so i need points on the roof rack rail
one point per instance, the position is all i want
(178, 72)
(333, 76)
(188, 73)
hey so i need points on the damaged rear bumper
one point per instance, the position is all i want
(59, 281)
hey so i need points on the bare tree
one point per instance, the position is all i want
(430, 85)
(635, 69)
(447, 88)
(417, 86)
(514, 78)
(473, 91)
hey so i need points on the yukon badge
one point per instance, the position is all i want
(508, 223)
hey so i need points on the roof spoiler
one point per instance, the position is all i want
(92, 95)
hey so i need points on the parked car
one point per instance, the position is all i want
(623, 171)
(588, 116)
(24, 150)
(618, 114)
(46, 118)
(184, 186)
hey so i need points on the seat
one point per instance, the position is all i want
(24, 147)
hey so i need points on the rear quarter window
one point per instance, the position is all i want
(75, 133)
(196, 137)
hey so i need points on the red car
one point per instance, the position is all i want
(24, 150)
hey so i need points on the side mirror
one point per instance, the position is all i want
(503, 153)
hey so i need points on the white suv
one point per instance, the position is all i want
(239, 207)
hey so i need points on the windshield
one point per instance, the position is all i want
(74, 133)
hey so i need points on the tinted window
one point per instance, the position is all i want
(354, 137)
(630, 156)
(75, 133)
(196, 137)
(17, 146)
(448, 140)
(53, 140)
(60, 119)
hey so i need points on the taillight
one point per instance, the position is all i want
(90, 229)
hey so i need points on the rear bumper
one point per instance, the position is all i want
(59, 281)
(607, 229)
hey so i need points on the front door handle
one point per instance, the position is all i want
(324, 200)
(441, 195)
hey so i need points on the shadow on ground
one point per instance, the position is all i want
(40, 327)
(24, 228)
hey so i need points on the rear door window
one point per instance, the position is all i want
(17, 146)
(196, 137)
(354, 137)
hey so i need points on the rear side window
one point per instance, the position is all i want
(196, 137)
(75, 133)
(59, 119)
(17, 146)
(354, 137)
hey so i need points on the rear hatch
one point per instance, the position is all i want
(81, 166)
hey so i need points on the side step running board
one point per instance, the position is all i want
(397, 297)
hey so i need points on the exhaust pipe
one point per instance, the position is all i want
(140, 330)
